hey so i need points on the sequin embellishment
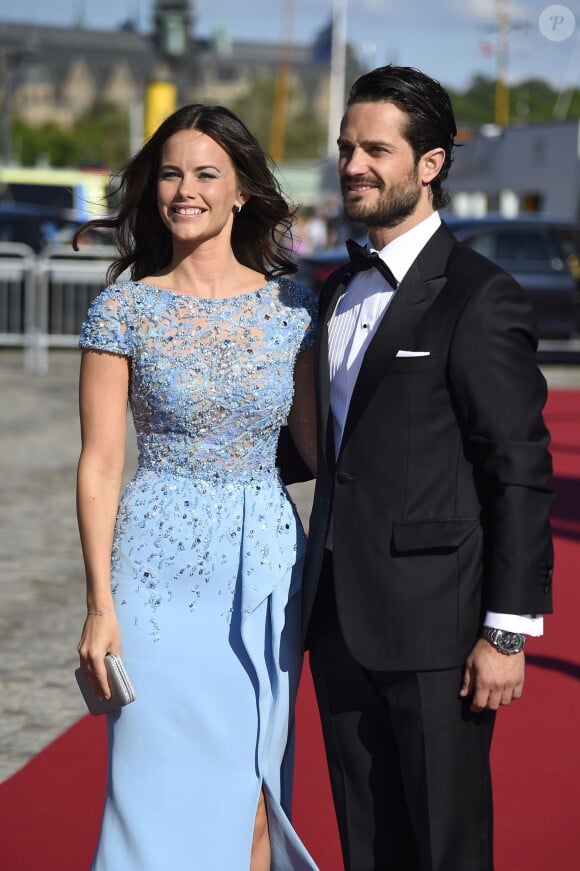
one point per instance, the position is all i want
(205, 518)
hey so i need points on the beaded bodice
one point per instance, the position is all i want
(211, 379)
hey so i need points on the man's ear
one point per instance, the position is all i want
(431, 164)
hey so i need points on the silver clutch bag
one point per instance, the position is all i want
(122, 692)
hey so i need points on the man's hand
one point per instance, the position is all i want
(492, 678)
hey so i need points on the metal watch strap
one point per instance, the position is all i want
(505, 642)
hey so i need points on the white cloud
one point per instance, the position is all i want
(372, 6)
(488, 11)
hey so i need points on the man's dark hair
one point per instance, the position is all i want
(430, 122)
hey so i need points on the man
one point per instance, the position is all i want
(430, 554)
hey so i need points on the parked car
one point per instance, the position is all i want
(39, 226)
(543, 254)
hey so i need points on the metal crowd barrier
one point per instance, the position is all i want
(17, 298)
(44, 298)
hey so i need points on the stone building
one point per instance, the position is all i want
(58, 73)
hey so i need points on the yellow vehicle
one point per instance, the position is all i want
(84, 191)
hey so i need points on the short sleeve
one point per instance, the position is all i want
(309, 302)
(107, 326)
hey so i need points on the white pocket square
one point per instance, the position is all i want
(413, 353)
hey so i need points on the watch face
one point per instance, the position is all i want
(510, 642)
(505, 642)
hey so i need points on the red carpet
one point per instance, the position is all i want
(49, 811)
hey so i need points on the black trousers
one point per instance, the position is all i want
(408, 762)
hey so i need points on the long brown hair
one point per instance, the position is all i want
(261, 234)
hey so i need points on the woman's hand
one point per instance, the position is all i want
(100, 636)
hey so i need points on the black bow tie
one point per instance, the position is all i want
(361, 259)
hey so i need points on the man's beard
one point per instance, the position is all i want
(394, 204)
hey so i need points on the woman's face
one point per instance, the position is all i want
(197, 188)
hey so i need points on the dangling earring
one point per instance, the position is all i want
(237, 208)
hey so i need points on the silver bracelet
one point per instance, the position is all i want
(100, 612)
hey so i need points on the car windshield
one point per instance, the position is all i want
(570, 241)
(514, 245)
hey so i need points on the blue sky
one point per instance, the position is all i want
(452, 40)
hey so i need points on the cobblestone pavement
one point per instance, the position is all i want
(41, 576)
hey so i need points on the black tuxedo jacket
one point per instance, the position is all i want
(440, 495)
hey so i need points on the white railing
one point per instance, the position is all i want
(44, 298)
(17, 298)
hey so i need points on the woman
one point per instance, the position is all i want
(197, 572)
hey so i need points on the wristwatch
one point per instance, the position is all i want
(505, 642)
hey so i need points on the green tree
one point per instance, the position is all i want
(101, 138)
(532, 101)
(255, 107)
(305, 138)
(46, 144)
(304, 134)
(476, 104)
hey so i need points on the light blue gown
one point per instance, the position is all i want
(206, 574)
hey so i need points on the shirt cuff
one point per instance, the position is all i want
(523, 623)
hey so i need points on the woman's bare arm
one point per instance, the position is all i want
(103, 391)
(302, 418)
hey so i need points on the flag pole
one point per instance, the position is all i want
(280, 112)
(502, 98)
(337, 73)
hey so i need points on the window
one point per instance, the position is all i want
(523, 245)
(517, 245)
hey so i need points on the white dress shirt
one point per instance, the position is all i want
(351, 328)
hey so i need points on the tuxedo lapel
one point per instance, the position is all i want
(416, 293)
